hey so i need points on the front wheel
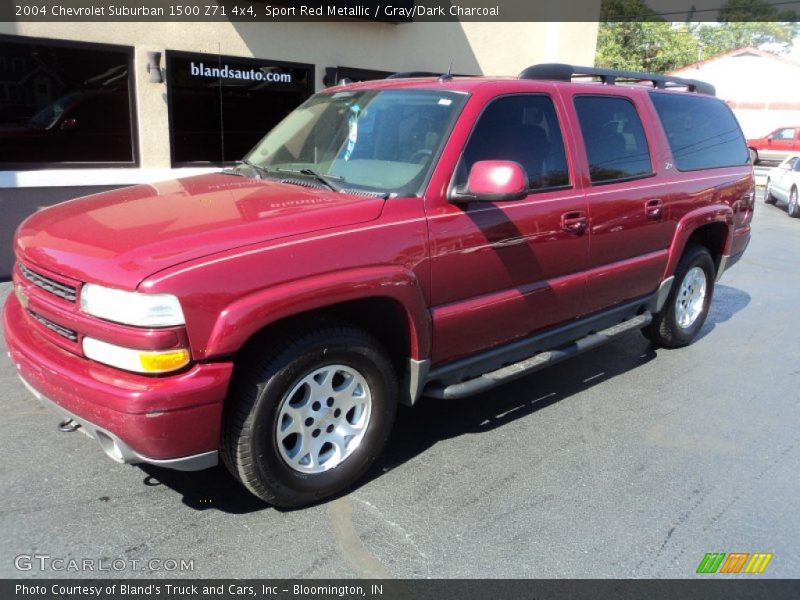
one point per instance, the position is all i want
(688, 302)
(308, 420)
(793, 208)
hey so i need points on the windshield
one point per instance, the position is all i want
(376, 140)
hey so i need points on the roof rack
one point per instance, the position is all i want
(564, 72)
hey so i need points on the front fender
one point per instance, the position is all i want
(241, 319)
(715, 213)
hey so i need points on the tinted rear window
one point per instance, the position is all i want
(702, 132)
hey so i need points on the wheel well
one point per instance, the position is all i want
(384, 318)
(713, 237)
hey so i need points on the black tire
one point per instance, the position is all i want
(793, 208)
(664, 330)
(249, 444)
(768, 197)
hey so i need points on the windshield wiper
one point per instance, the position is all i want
(328, 180)
(260, 171)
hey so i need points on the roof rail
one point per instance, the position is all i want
(564, 72)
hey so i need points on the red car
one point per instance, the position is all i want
(776, 146)
(386, 241)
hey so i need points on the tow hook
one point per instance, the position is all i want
(68, 426)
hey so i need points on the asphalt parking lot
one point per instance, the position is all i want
(625, 462)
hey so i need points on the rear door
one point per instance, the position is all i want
(502, 270)
(629, 229)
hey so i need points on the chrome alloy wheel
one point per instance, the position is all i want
(323, 418)
(691, 297)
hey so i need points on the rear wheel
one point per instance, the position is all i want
(687, 306)
(768, 197)
(306, 421)
(793, 209)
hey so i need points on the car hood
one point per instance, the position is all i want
(120, 237)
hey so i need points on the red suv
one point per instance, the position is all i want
(386, 241)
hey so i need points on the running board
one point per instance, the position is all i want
(536, 362)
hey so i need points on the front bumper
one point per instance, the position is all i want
(118, 450)
(171, 421)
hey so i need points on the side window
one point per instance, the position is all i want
(615, 141)
(524, 129)
(701, 130)
(784, 134)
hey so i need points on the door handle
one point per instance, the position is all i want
(654, 209)
(574, 222)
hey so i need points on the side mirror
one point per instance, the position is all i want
(492, 181)
(69, 124)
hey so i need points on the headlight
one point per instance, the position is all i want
(131, 308)
(138, 361)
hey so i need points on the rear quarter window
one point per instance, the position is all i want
(702, 131)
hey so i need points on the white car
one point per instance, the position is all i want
(783, 183)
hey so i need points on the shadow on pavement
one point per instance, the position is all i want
(431, 421)
(727, 302)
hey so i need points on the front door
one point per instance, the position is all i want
(502, 270)
(780, 143)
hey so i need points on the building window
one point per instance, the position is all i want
(65, 104)
(220, 106)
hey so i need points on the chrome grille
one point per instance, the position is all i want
(62, 331)
(67, 292)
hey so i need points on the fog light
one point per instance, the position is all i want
(138, 361)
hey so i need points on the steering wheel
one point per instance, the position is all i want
(420, 155)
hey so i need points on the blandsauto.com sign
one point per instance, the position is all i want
(226, 72)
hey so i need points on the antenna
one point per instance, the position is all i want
(449, 74)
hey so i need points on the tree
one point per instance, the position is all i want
(644, 46)
(633, 36)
